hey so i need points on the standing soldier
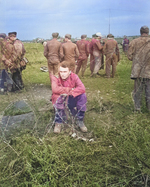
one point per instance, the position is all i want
(83, 56)
(4, 77)
(111, 51)
(13, 55)
(96, 54)
(125, 44)
(71, 52)
(53, 52)
(139, 53)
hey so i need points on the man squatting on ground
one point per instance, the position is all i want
(139, 53)
(12, 57)
(70, 51)
(83, 54)
(69, 84)
(111, 51)
(54, 53)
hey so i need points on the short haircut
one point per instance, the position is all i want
(144, 29)
(64, 64)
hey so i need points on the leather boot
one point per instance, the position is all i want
(82, 127)
(57, 128)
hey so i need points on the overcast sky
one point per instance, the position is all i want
(40, 18)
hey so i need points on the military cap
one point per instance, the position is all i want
(12, 34)
(110, 36)
(55, 34)
(2, 35)
(83, 36)
(98, 34)
(144, 29)
(68, 36)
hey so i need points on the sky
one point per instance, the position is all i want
(40, 18)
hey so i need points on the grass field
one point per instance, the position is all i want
(118, 156)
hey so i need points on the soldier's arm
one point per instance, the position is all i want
(131, 51)
(100, 47)
(76, 52)
(61, 53)
(46, 51)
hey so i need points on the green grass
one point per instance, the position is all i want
(119, 156)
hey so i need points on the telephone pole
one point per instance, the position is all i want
(109, 22)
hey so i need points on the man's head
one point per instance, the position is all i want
(144, 30)
(64, 70)
(2, 35)
(67, 37)
(12, 35)
(98, 35)
(55, 35)
(110, 36)
(83, 36)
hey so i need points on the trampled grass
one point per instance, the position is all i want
(118, 156)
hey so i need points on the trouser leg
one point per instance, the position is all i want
(60, 116)
(114, 64)
(55, 69)
(77, 105)
(97, 64)
(84, 64)
(50, 69)
(108, 67)
(17, 80)
(147, 93)
(137, 93)
(79, 63)
(3, 79)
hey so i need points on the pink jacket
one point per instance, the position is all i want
(71, 86)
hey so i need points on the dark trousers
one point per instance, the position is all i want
(5, 80)
(141, 84)
(76, 105)
(17, 80)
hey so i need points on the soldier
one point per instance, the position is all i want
(111, 51)
(53, 52)
(138, 52)
(125, 44)
(84, 53)
(3, 72)
(12, 58)
(96, 54)
(71, 52)
(68, 88)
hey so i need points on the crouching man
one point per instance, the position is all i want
(68, 92)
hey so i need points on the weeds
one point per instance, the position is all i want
(119, 156)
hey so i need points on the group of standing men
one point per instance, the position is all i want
(12, 62)
(77, 54)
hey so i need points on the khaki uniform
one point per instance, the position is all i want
(111, 51)
(138, 52)
(13, 53)
(54, 53)
(95, 49)
(83, 56)
(71, 54)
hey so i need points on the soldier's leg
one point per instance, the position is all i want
(55, 69)
(84, 64)
(147, 93)
(137, 93)
(79, 63)
(108, 66)
(114, 64)
(2, 80)
(50, 69)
